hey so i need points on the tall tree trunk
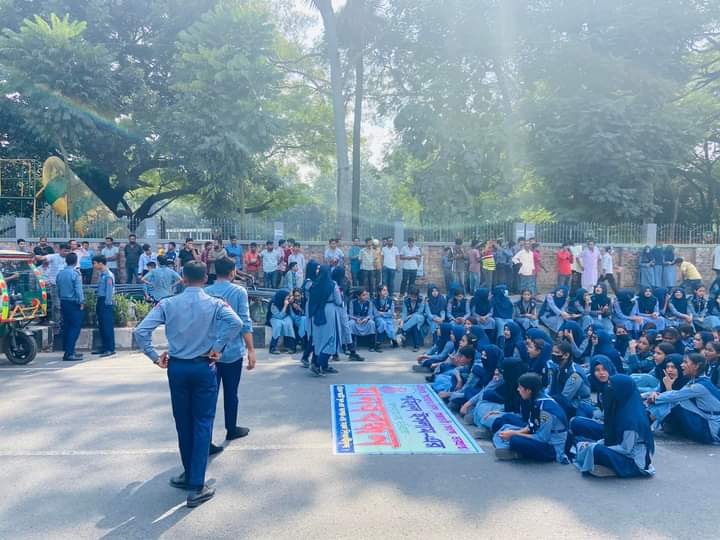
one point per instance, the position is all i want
(242, 207)
(344, 210)
(357, 128)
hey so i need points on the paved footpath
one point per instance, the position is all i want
(86, 450)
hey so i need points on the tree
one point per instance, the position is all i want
(115, 97)
(344, 199)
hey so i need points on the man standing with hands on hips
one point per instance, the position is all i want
(198, 328)
(229, 366)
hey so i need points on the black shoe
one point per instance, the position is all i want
(395, 344)
(330, 369)
(430, 378)
(335, 358)
(416, 349)
(200, 496)
(179, 482)
(106, 354)
(237, 433)
(292, 351)
(274, 351)
(377, 348)
(315, 371)
(97, 352)
(75, 358)
(355, 357)
(215, 449)
(305, 363)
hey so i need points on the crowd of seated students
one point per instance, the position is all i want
(588, 379)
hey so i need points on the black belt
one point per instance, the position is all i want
(197, 359)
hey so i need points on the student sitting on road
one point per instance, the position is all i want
(540, 433)
(694, 410)
(627, 444)
(454, 377)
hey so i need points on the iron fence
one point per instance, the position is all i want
(312, 225)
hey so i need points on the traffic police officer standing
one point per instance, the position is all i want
(72, 300)
(198, 327)
(229, 367)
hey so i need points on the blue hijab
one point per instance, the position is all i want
(681, 304)
(626, 301)
(575, 329)
(605, 346)
(577, 306)
(311, 269)
(624, 411)
(646, 255)
(481, 301)
(647, 305)
(661, 294)
(502, 306)
(278, 300)
(480, 334)
(601, 300)
(537, 333)
(676, 360)
(669, 254)
(436, 304)
(658, 256)
(493, 357)
(508, 345)
(338, 276)
(320, 293)
(457, 331)
(445, 330)
(595, 385)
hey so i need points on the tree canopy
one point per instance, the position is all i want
(497, 109)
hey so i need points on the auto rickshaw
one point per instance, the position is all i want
(23, 299)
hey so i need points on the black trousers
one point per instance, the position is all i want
(408, 280)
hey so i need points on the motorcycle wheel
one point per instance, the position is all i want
(20, 349)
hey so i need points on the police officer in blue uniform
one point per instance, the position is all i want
(229, 367)
(198, 328)
(72, 303)
(104, 309)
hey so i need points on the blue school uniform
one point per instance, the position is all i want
(457, 309)
(570, 388)
(695, 410)
(489, 403)
(552, 308)
(297, 314)
(358, 312)
(627, 446)
(487, 359)
(678, 309)
(443, 347)
(658, 257)
(699, 308)
(601, 309)
(579, 310)
(384, 313)
(522, 312)
(502, 307)
(547, 425)
(325, 306)
(481, 309)
(413, 317)
(649, 309)
(436, 310)
(647, 269)
(510, 347)
(669, 270)
(623, 308)
(278, 317)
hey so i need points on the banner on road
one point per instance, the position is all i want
(395, 419)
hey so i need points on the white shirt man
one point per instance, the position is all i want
(111, 252)
(414, 253)
(525, 259)
(390, 255)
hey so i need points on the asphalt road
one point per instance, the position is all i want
(86, 450)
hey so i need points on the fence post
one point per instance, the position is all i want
(399, 236)
(650, 234)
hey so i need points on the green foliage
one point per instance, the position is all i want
(140, 310)
(121, 310)
(89, 319)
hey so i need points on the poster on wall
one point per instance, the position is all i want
(395, 419)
